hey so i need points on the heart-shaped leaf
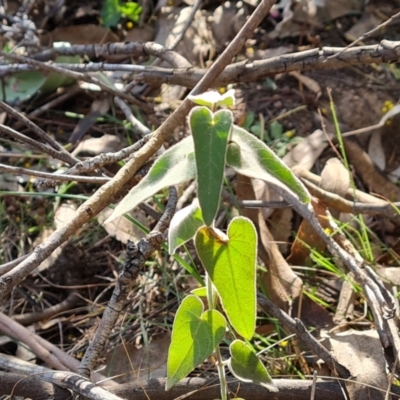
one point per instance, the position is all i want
(174, 166)
(253, 158)
(231, 265)
(246, 366)
(210, 135)
(213, 98)
(195, 335)
(184, 225)
(199, 292)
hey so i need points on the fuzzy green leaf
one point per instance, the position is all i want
(210, 135)
(184, 225)
(110, 13)
(213, 98)
(195, 335)
(252, 157)
(175, 166)
(231, 264)
(246, 366)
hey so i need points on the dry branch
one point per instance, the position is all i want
(137, 255)
(208, 389)
(244, 71)
(249, 71)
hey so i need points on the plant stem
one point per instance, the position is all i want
(221, 374)
(220, 364)
(210, 292)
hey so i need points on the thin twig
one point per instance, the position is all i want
(137, 126)
(79, 76)
(11, 264)
(78, 385)
(60, 177)
(131, 49)
(369, 33)
(347, 206)
(36, 145)
(296, 326)
(384, 52)
(244, 71)
(99, 161)
(45, 350)
(136, 258)
(49, 312)
(38, 131)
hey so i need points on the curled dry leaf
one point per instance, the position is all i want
(335, 179)
(307, 152)
(94, 146)
(376, 152)
(132, 364)
(365, 168)
(98, 108)
(352, 349)
(122, 229)
(308, 82)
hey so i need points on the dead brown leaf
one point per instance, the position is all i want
(376, 182)
(94, 146)
(122, 229)
(307, 151)
(280, 282)
(361, 353)
(98, 108)
(307, 238)
(130, 363)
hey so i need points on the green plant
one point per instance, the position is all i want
(229, 259)
(113, 10)
(276, 138)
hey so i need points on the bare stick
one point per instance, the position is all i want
(188, 22)
(79, 76)
(99, 161)
(48, 175)
(137, 126)
(297, 327)
(369, 33)
(11, 264)
(136, 258)
(31, 387)
(36, 145)
(49, 312)
(385, 52)
(347, 206)
(131, 49)
(101, 198)
(78, 385)
(245, 71)
(38, 131)
(46, 351)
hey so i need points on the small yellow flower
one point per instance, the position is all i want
(222, 90)
(290, 134)
(129, 25)
(284, 343)
(328, 231)
(387, 106)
